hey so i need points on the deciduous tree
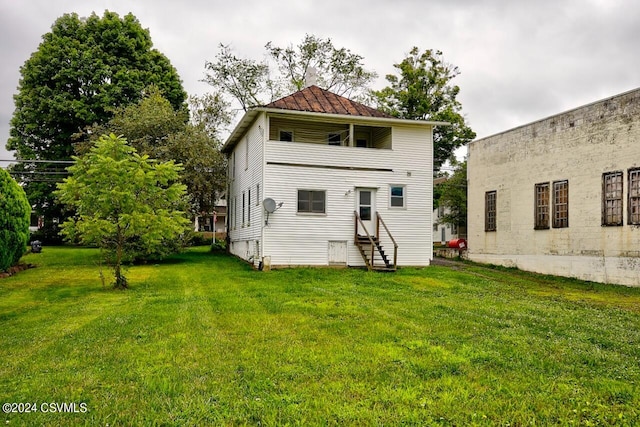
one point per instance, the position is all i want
(423, 90)
(251, 82)
(124, 203)
(453, 197)
(82, 69)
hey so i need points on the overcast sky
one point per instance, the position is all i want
(519, 61)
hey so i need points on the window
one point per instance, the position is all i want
(561, 204)
(612, 198)
(243, 206)
(542, 206)
(246, 153)
(634, 197)
(257, 194)
(286, 135)
(334, 139)
(233, 165)
(361, 143)
(396, 196)
(311, 201)
(490, 198)
(249, 206)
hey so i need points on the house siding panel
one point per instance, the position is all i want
(578, 146)
(301, 239)
(243, 237)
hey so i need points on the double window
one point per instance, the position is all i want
(613, 197)
(311, 201)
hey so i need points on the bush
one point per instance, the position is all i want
(200, 238)
(14, 221)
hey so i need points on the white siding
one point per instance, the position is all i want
(248, 174)
(302, 239)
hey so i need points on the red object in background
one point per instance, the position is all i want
(457, 243)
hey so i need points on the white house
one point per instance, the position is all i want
(339, 181)
(561, 195)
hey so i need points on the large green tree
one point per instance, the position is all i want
(154, 128)
(14, 221)
(124, 203)
(423, 90)
(287, 69)
(81, 70)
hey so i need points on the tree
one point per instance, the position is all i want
(453, 197)
(14, 221)
(154, 128)
(424, 91)
(124, 203)
(253, 83)
(82, 69)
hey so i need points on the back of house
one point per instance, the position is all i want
(561, 195)
(318, 179)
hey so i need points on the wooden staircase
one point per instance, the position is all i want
(371, 248)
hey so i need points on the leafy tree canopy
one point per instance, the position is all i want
(251, 82)
(453, 196)
(155, 129)
(14, 221)
(423, 90)
(83, 69)
(126, 204)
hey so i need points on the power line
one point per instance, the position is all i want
(67, 162)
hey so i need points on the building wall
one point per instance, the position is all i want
(292, 238)
(245, 231)
(579, 146)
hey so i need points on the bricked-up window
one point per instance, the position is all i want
(634, 197)
(612, 198)
(560, 204)
(490, 211)
(542, 198)
(311, 201)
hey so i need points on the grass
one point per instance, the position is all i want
(204, 340)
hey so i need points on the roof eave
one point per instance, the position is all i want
(251, 115)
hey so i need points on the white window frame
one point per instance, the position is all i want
(311, 212)
(404, 196)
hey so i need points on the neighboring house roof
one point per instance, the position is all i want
(318, 100)
(315, 101)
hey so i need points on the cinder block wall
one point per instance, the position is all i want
(579, 146)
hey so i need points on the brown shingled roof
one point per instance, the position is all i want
(317, 100)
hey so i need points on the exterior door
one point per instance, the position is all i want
(366, 200)
(337, 252)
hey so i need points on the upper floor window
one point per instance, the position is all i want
(311, 201)
(542, 206)
(561, 204)
(612, 198)
(334, 139)
(286, 135)
(490, 204)
(397, 196)
(634, 197)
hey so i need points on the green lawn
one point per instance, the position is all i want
(204, 340)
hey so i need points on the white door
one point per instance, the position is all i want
(337, 252)
(366, 201)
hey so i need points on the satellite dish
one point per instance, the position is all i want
(269, 205)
